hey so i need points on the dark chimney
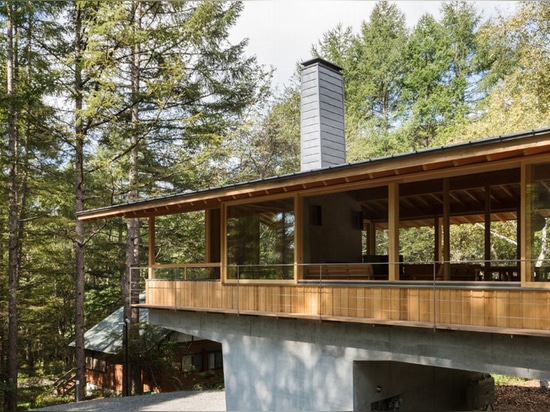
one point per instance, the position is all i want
(322, 115)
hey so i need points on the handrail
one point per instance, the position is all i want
(183, 265)
(187, 268)
(506, 270)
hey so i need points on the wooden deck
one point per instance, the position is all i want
(483, 307)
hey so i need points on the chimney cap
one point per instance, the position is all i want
(318, 60)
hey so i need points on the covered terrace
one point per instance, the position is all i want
(373, 242)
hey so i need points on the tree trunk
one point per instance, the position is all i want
(80, 360)
(13, 217)
(132, 244)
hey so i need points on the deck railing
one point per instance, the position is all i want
(479, 305)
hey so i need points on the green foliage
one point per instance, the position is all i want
(517, 79)
(268, 143)
(36, 395)
(424, 94)
(373, 75)
(417, 244)
(507, 380)
(194, 88)
(183, 238)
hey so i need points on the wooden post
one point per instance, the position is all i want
(446, 230)
(487, 252)
(526, 266)
(151, 259)
(393, 228)
(371, 238)
(223, 243)
(298, 237)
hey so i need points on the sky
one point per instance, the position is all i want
(281, 32)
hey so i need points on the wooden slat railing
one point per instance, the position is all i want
(503, 309)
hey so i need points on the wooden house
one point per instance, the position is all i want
(323, 222)
(193, 361)
(332, 241)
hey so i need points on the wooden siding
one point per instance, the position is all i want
(499, 310)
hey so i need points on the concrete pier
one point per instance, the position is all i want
(294, 364)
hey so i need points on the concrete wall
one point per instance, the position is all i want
(294, 364)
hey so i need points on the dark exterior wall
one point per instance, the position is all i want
(109, 379)
(331, 232)
(104, 372)
(381, 385)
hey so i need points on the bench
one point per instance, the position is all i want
(350, 271)
(420, 271)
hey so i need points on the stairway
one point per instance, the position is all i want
(65, 383)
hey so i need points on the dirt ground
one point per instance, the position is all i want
(526, 396)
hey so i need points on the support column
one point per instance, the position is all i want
(487, 254)
(446, 230)
(524, 220)
(299, 226)
(151, 257)
(393, 229)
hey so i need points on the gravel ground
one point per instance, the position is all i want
(522, 397)
(168, 401)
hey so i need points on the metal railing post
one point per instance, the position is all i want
(434, 297)
(320, 292)
(238, 291)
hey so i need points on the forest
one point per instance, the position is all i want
(110, 102)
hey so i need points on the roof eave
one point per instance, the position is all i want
(417, 161)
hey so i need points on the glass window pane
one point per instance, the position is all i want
(538, 194)
(260, 240)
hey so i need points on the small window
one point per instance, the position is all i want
(191, 362)
(95, 364)
(215, 360)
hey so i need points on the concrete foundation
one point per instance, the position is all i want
(294, 364)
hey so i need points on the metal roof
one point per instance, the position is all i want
(106, 336)
(481, 151)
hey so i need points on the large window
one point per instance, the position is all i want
(461, 228)
(538, 213)
(260, 240)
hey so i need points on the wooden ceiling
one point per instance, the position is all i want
(470, 196)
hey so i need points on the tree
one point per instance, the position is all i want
(461, 20)
(378, 56)
(424, 89)
(517, 82)
(443, 67)
(268, 144)
(15, 191)
(372, 63)
(80, 132)
(163, 88)
(336, 46)
(28, 139)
